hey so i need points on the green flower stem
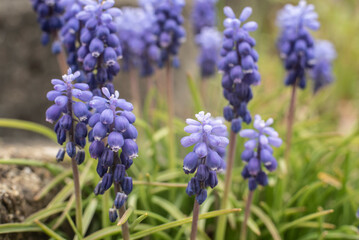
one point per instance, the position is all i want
(195, 220)
(290, 122)
(170, 104)
(221, 227)
(246, 215)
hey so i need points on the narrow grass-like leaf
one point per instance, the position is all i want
(53, 183)
(304, 219)
(70, 204)
(45, 213)
(138, 221)
(125, 216)
(73, 226)
(152, 215)
(181, 222)
(48, 231)
(198, 106)
(168, 206)
(88, 215)
(54, 169)
(29, 126)
(101, 234)
(267, 222)
(18, 227)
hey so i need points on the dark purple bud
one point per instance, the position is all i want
(102, 32)
(95, 118)
(85, 36)
(190, 163)
(90, 136)
(126, 185)
(113, 215)
(66, 122)
(236, 74)
(89, 62)
(131, 132)
(253, 166)
(60, 155)
(126, 160)
(81, 53)
(106, 182)
(99, 131)
(201, 150)
(97, 189)
(100, 169)
(247, 64)
(115, 141)
(247, 154)
(81, 130)
(119, 173)
(212, 180)
(202, 173)
(300, 46)
(80, 141)
(91, 24)
(252, 184)
(189, 190)
(236, 125)
(129, 115)
(61, 136)
(244, 49)
(71, 149)
(96, 47)
(53, 113)
(80, 157)
(165, 40)
(107, 158)
(262, 178)
(228, 44)
(107, 116)
(213, 161)
(96, 149)
(130, 148)
(232, 58)
(245, 174)
(202, 196)
(266, 157)
(110, 56)
(120, 199)
(195, 185)
(228, 113)
(272, 165)
(80, 110)
(113, 41)
(121, 123)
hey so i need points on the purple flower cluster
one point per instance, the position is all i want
(70, 32)
(49, 17)
(203, 15)
(239, 67)
(295, 43)
(168, 28)
(258, 151)
(64, 111)
(322, 72)
(100, 47)
(135, 31)
(209, 137)
(112, 123)
(209, 41)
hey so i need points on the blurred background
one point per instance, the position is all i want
(26, 67)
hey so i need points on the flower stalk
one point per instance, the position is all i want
(246, 215)
(195, 220)
(290, 122)
(170, 104)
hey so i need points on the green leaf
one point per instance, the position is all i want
(48, 231)
(44, 213)
(53, 183)
(109, 231)
(138, 221)
(18, 227)
(73, 226)
(198, 106)
(304, 219)
(181, 222)
(88, 215)
(29, 126)
(54, 169)
(125, 216)
(168, 206)
(152, 215)
(267, 222)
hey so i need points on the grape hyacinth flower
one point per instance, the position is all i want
(49, 17)
(70, 113)
(100, 47)
(258, 151)
(113, 123)
(322, 72)
(209, 137)
(295, 44)
(209, 41)
(238, 66)
(70, 33)
(168, 28)
(135, 31)
(203, 15)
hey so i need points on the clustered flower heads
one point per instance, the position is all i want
(209, 137)
(295, 43)
(112, 123)
(168, 28)
(203, 15)
(100, 47)
(49, 17)
(70, 32)
(258, 151)
(322, 72)
(135, 31)
(64, 111)
(209, 41)
(238, 66)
